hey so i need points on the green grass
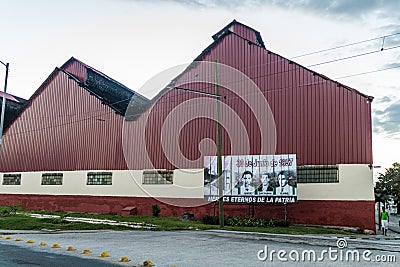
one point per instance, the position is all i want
(22, 222)
(162, 223)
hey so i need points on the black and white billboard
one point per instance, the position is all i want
(252, 178)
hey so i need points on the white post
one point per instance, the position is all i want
(3, 108)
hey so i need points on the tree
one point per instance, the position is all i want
(389, 182)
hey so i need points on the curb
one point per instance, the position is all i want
(397, 231)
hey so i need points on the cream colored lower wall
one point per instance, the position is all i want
(187, 184)
(356, 183)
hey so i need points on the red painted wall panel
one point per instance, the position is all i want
(312, 212)
(244, 32)
(319, 120)
(77, 69)
(63, 128)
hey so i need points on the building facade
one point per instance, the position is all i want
(84, 142)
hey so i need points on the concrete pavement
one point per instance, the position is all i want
(136, 244)
(168, 246)
(12, 255)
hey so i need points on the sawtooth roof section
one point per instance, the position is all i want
(12, 97)
(14, 105)
(110, 92)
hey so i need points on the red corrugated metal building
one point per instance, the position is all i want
(74, 122)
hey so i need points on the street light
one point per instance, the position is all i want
(3, 108)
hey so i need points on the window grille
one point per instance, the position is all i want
(12, 179)
(318, 174)
(158, 177)
(52, 179)
(99, 178)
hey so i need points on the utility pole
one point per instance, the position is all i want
(219, 143)
(3, 107)
(219, 154)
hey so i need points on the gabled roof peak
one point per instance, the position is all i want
(241, 30)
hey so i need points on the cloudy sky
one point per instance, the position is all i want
(132, 41)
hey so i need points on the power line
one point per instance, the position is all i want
(346, 45)
(193, 105)
(283, 59)
(368, 72)
(320, 51)
(280, 60)
(165, 98)
(289, 70)
(354, 56)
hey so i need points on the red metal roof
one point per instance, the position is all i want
(63, 128)
(8, 97)
(320, 120)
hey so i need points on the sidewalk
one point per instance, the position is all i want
(391, 242)
(394, 228)
(384, 243)
(167, 246)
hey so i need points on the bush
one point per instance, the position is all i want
(4, 211)
(61, 219)
(14, 208)
(233, 221)
(9, 209)
(156, 210)
(246, 221)
(269, 222)
(282, 223)
(208, 219)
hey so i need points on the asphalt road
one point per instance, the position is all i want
(188, 249)
(16, 256)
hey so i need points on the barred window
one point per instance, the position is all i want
(158, 177)
(318, 174)
(12, 179)
(99, 178)
(52, 179)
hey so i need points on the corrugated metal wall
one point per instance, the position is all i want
(244, 32)
(65, 128)
(320, 120)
